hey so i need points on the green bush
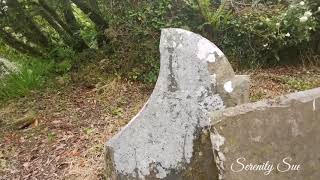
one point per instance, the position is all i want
(263, 35)
(31, 76)
(61, 53)
(135, 32)
(268, 33)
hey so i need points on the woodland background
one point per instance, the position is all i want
(80, 40)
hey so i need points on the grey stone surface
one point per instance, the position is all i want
(168, 138)
(7, 67)
(239, 95)
(284, 132)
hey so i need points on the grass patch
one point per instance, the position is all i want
(299, 84)
(31, 76)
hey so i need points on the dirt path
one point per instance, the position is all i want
(71, 125)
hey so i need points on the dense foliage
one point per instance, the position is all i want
(135, 33)
(121, 37)
(255, 32)
(265, 34)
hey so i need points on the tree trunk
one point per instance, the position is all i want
(69, 16)
(94, 6)
(21, 29)
(20, 46)
(55, 16)
(73, 24)
(64, 36)
(78, 43)
(101, 38)
(22, 17)
(96, 18)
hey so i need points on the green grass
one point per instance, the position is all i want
(299, 84)
(31, 76)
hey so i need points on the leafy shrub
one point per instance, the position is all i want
(61, 53)
(31, 77)
(33, 73)
(135, 32)
(88, 31)
(267, 33)
(263, 35)
(63, 59)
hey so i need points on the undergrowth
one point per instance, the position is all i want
(31, 76)
(34, 73)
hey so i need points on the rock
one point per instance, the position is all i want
(26, 121)
(283, 132)
(61, 81)
(7, 67)
(241, 94)
(169, 137)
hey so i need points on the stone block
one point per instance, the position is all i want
(271, 139)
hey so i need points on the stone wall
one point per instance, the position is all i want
(284, 132)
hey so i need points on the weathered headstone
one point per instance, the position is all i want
(168, 138)
(271, 139)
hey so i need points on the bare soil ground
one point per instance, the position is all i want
(273, 82)
(71, 125)
(67, 137)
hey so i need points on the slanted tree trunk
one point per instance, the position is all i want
(73, 24)
(96, 18)
(20, 46)
(69, 16)
(64, 35)
(100, 36)
(54, 15)
(24, 18)
(77, 43)
(21, 29)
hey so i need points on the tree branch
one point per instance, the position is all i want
(17, 44)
